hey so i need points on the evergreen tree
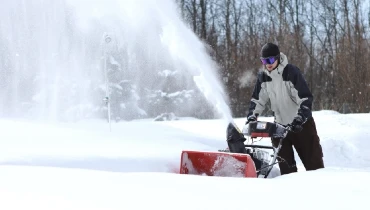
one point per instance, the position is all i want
(171, 100)
(122, 93)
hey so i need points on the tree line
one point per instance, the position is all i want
(327, 39)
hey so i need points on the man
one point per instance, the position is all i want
(284, 86)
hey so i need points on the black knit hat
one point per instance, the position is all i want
(270, 49)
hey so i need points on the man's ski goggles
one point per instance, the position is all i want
(269, 60)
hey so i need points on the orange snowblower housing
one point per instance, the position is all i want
(217, 164)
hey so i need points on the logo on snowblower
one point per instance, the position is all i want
(261, 125)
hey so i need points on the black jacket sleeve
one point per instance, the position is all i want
(305, 96)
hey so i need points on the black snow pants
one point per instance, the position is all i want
(308, 147)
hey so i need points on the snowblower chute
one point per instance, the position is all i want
(217, 164)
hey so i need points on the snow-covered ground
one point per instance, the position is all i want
(85, 166)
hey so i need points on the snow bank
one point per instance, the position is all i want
(89, 167)
(76, 189)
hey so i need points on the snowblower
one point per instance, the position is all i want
(239, 159)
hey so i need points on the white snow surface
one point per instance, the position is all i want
(84, 166)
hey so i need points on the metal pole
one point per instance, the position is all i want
(107, 39)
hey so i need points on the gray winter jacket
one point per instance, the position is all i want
(286, 89)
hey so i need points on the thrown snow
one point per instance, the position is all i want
(84, 166)
(229, 166)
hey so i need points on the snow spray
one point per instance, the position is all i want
(164, 33)
(55, 49)
(185, 47)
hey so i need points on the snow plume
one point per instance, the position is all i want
(57, 54)
(189, 51)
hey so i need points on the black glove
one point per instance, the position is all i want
(251, 118)
(297, 123)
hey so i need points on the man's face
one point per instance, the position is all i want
(270, 67)
(270, 62)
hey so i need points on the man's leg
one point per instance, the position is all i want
(288, 165)
(307, 145)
